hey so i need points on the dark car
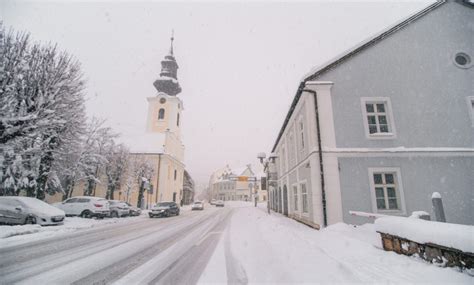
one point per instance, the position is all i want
(164, 209)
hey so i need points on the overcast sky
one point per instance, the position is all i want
(240, 63)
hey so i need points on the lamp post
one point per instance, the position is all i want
(266, 166)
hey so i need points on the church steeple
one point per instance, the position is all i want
(168, 80)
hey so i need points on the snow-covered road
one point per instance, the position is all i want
(137, 251)
(238, 244)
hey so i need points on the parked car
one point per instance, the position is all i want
(85, 206)
(118, 209)
(134, 211)
(26, 210)
(197, 206)
(219, 203)
(164, 209)
(213, 202)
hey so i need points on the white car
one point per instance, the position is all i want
(85, 206)
(26, 210)
(197, 206)
(219, 203)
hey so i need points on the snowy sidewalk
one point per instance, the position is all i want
(258, 248)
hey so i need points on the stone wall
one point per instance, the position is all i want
(436, 254)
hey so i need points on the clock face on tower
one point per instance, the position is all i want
(162, 100)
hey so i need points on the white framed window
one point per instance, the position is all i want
(304, 197)
(291, 154)
(283, 160)
(470, 103)
(301, 132)
(386, 190)
(295, 197)
(378, 117)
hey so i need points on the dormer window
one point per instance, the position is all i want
(161, 114)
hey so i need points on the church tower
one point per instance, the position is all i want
(164, 110)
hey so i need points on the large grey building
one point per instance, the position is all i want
(383, 126)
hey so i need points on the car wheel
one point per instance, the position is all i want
(30, 220)
(86, 214)
(115, 215)
(177, 213)
(151, 216)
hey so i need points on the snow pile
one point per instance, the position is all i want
(418, 214)
(262, 248)
(9, 231)
(449, 235)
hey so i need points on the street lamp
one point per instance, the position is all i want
(267, 163)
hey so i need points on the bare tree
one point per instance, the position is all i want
(99, 139)
(117, 162)
(141, 169)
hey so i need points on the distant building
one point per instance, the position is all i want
(160, 147)
(390, 122)
(239, 184)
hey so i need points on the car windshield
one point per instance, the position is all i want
(164, 204)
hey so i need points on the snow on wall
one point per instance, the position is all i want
(445, 234)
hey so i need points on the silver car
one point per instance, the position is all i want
(118, 209)
(26, 210)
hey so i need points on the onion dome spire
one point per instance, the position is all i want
(168, 80)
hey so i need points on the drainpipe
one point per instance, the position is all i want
(318, 130)
(158, 178)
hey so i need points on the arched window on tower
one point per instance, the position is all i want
(161, 114)
(177, 120)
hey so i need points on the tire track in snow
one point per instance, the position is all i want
(85, 255)
(195, 260)
(164, 268)
(120, 269)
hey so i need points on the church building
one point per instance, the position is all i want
(159, 148)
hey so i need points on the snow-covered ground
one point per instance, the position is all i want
(260, 248)
(19, 234)
(14, 235)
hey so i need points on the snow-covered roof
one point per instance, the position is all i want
(315, 72)
(239, 170)
(148, 143)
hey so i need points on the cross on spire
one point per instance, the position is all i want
(172, 39)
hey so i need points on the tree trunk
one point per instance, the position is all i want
(140, 194)
(44, 169)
